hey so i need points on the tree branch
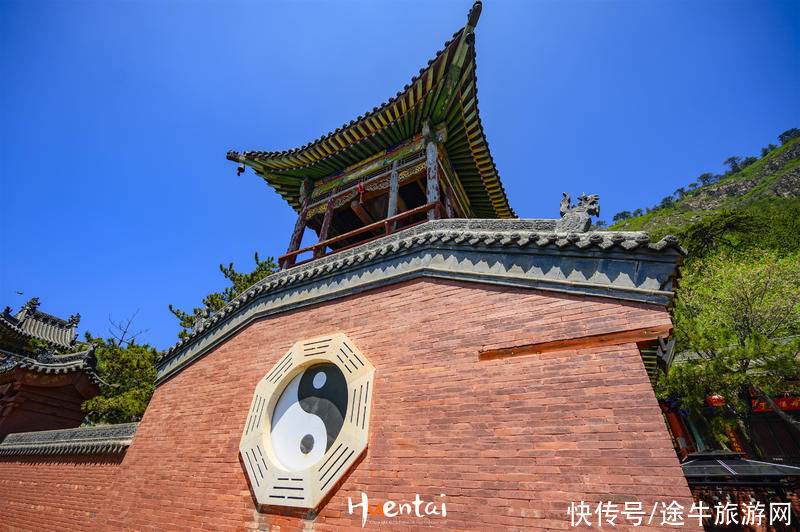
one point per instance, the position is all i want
(122, 330)
(775, 408)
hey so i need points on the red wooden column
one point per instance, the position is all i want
(326, 225)
(449, 199)
(678, 432)
(431, 160)
(300, 224)
(448, 205)
(394, 193)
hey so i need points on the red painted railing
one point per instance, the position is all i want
(388, 227)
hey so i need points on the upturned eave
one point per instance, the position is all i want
(444, 93)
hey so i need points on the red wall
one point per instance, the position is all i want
(510, 442)
(54, 492)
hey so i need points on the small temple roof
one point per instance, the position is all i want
(724, 467)
(63, 353)
(53, 364)
(30, 323)
(444, 93)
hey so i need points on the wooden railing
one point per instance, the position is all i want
(387, 227)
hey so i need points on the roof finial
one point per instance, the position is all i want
(474, 14)
(28, 309)
(577, 218)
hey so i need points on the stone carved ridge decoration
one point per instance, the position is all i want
(578, 218)
(308, 422)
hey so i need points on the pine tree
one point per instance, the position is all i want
(216, 300)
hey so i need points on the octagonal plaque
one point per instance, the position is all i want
(308, 422)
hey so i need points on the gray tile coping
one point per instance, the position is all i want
(516, 252)
(82, 440)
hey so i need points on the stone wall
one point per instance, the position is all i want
(509, 442)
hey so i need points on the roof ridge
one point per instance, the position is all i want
(55, 319)
(30, 322)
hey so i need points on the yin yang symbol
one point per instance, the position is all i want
(308, 416)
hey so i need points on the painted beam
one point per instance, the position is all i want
(363, 215)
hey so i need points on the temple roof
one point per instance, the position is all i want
(54, 358)
(53, 364)
(444, 93)
(30, 323)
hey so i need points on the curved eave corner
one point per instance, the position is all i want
(398, 119)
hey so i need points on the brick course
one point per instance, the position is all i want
(54, 493)
(510, 442)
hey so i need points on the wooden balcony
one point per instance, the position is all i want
(377, 230)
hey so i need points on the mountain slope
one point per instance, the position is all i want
(774, 179)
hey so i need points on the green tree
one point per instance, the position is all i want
(624, 215)
(706, 179)
(637, 212)
(778, 222)
(767, 150)
(788, 135)
(216, 300)
(770, 223)
(680, 192)
(747, 161)
(734, 315)
(719, 232)
(129, 371)
(733, 164)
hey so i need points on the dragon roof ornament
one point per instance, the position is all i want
(578, 218)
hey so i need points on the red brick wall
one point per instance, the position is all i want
(53, 493)
(509, 442)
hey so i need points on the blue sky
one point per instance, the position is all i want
(115, 118)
